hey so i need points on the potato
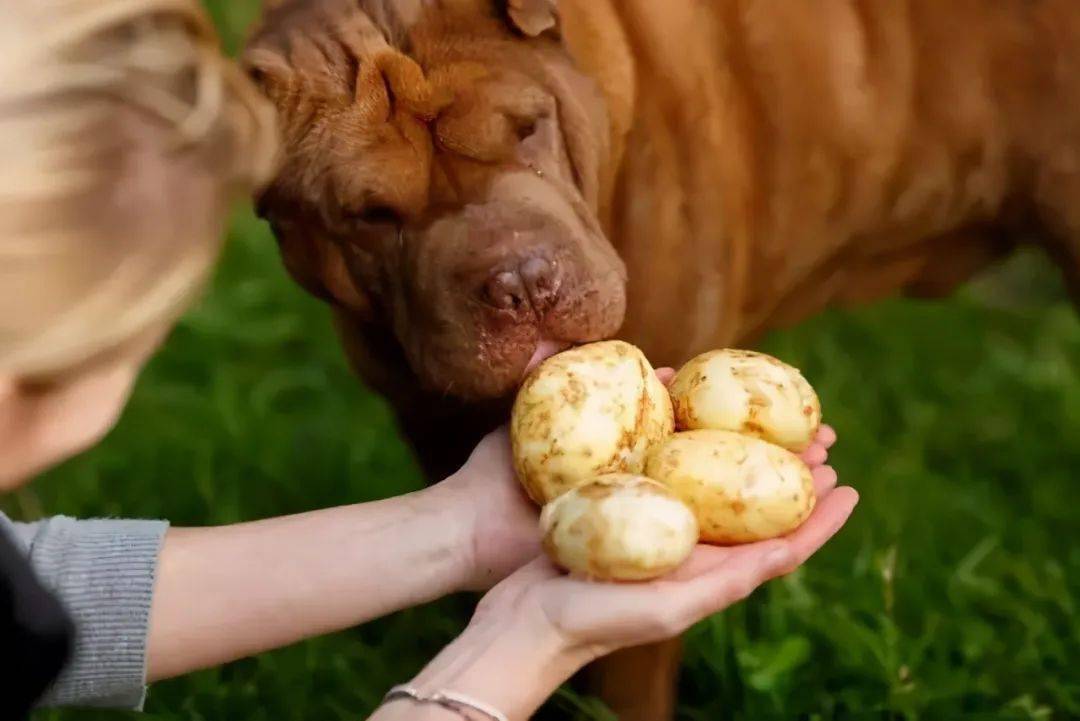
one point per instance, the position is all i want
(618, 527)
(741, 489)
(746, 392)
(587, 411)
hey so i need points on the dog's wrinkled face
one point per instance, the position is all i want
(440, 180)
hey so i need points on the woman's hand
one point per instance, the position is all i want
(502, 523)
(603, 617)
(539, 626)
(817, 454)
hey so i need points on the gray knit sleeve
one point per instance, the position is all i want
(103, 572)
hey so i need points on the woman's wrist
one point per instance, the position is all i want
(406, 710)
(496, 525)
(454, 532)
(511, 660)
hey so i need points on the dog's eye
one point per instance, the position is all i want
(376, 215)
(525, 128)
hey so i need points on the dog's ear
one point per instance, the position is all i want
(534, 17)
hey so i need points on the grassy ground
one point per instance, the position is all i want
(952, 594)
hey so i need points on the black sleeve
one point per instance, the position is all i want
(36, 634)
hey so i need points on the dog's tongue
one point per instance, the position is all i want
(544, 350)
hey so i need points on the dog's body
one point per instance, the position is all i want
(837, 152)
(757, 161)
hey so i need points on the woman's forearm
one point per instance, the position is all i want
(229, 592)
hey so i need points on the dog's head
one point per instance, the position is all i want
(444, 164)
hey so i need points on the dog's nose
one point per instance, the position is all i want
(541, 281)
(505, 290)
(534, 282)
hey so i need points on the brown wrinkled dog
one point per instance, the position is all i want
(464, 179)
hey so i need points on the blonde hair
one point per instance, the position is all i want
(108, 108)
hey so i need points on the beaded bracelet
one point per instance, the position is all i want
(450, 700)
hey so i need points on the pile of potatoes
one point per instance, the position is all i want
(632, 474)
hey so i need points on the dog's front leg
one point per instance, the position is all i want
(640, 683)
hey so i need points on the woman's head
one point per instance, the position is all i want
(125, 135)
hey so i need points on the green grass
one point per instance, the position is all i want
(952, 594)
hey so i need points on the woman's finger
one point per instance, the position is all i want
(744, 570)
(665, 375)
(704, 559)
(828, 517)
(715, 578)
(824, 480)
(815, 455)
(826, 436)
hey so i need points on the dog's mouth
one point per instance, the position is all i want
(482, 372)
(544, 350)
